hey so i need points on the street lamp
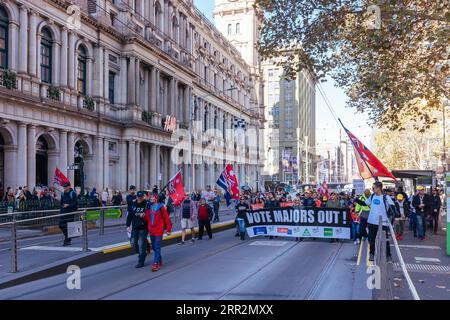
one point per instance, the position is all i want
(81, 167)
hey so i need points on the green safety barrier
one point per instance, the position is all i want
(109, 214)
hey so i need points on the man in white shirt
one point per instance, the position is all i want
(379, 205)
(105, 196)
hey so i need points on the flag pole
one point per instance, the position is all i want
(354, 146)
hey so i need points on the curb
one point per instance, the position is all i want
(87, 259)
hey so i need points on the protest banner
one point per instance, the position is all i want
(298, 222)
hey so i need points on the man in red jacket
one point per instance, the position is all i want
(205, 213)
(158, 220)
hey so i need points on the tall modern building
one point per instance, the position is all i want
(118, 79)
(290, 130)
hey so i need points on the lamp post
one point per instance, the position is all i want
(81, 168)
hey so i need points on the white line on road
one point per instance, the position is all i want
(427, 259)
(419, 246)
(268, 243)
(46, 248)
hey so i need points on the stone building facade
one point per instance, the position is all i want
(117, 77)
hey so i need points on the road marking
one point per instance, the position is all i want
(427, 259)
(46, 248)
(359, 253)
(268, 243)
(418, 246)
(412, 267)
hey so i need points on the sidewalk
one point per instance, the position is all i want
(40, 249)
(427, 264)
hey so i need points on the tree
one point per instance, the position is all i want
(411, 148)
(391, 59)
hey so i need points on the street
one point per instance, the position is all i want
(218, 269)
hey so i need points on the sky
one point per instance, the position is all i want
(327, 129)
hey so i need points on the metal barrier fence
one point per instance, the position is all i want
(41, 204)
(51, 218)
(381, 262)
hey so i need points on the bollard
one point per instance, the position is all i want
(85, 231)
(14, 268)
(102, 222)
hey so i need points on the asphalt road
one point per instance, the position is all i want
(219, 269)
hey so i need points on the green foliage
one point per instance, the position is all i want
(89, 103)
(393, 69)
(53, 93)
(9, 79)
(147, 116)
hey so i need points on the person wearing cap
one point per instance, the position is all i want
(402, 205)
(137, 226)
(422, 203)
(69, 203)
(157, 220)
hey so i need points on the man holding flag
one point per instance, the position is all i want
(228, 182)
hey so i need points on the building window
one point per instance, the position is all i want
(175, 29)
(81, 72)
(4, 22)
(111, 86)
(112, 16)
(46, 56)
(229, 29)
(238, 28)
(205, 120)
(158, 16)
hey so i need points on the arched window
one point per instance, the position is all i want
(175, 29)
(46, 56)
(4, 22)
(158, 16)
(81, 72)
(205, 120)
(229, 29)
(238, 28)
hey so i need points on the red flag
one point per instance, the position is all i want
(369, 166)
(59, 178)
(176, 189)
(231, 181)
(323, 190)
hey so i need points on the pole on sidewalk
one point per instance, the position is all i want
(84, 238)
(14, 268)
(102, 222)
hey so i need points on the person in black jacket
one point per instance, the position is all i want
(435, 209)
(241, 207)
(138, 227)
(69, 203)
(422, 203)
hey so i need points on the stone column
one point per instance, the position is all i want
(158, 166)
(63, 152)
(123, 165)
(123, 81)
(153, 89)
(98, 71)
(31, 156)
(131, 162)
(137, 82)
(22, 154)
(70, 155)
(153, 171)
(71, 61)
(53, 157)
(106, 182)
(131, 81)
(145, 169)
(89, 75)
(13, 45)
(146, 91)
(23, 44)
(63, 68)
(32, 53)
(106, 74)
(157, 96)
(10, 157)
(100, 163)
(138, 165)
